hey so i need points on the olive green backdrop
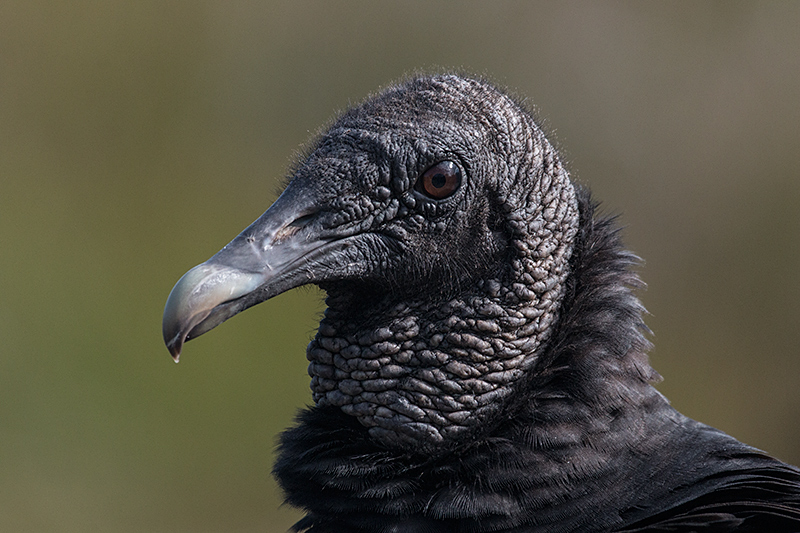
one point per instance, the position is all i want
(137, 138)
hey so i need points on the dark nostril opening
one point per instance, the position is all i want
(292, 228)
(302, 221)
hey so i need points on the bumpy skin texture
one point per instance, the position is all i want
(436, 355)
(481, 366)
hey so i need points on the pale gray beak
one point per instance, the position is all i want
(269, 257)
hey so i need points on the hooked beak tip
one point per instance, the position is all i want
(175, 348)
(193, 306)
(174, 339)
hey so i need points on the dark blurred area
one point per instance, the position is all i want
(137, 138)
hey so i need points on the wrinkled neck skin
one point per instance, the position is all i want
(421, 375)
(582, 417)
(424, 373)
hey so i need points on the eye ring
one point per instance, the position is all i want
(439, 181)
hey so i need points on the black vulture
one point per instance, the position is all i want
(482, 362)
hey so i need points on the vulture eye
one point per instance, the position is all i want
(439, 181)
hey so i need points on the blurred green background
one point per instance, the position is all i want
(137, 138)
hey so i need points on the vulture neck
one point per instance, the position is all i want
(580, 418)
(432, 374)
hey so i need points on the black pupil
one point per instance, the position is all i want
(438, 180)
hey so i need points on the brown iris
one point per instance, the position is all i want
(439, 181)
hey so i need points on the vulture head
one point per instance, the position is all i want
(440, 222)
(481, 364)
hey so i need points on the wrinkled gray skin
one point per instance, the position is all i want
(440, 337)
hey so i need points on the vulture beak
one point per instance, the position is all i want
(269, 257)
